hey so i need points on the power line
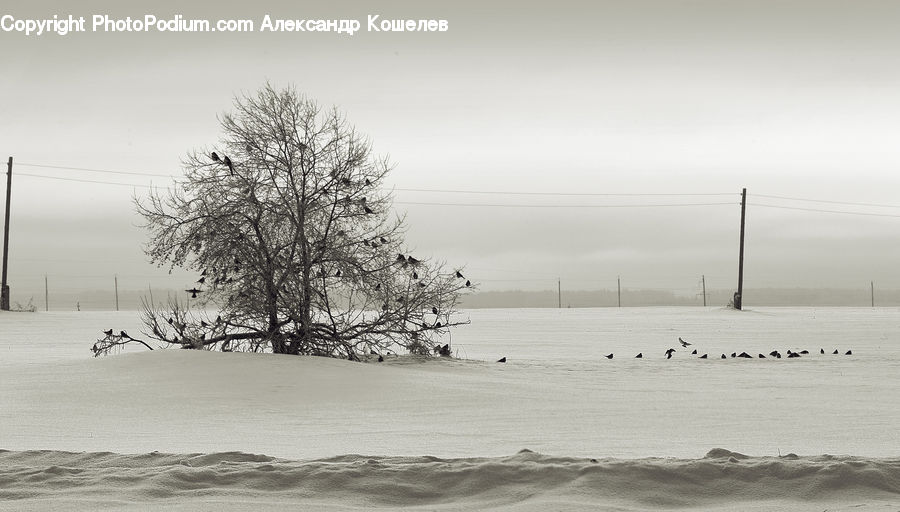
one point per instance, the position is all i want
(828, 202)
(131, 173)
(824, 211)
(501, 192)
(60, 178)
(495, 205)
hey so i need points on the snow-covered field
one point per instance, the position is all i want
(559, 426)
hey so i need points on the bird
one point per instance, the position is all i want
(434, 310)
(380, 358)
(793, 354)
(761, 356)
(669, 353)
(422, 285)
(694, 352)
(401, 257)
(383, 240)
(835, 351)
(201, 280)
(203, 273)
(337, 274)
(734, 354)
(468, 283)
(412, 261)
(108, 332)
(502, 359)
(608, 356)
(415, 275)
(459, 274)
(229, 164)
(203, 323)
(438, 325)
(424, 325)
(124, 334)
(744, 355)
(215, 156)
(804, 352)
(849, 353)
(367, 182)
(193, 291)
(723, 356)
(169, 320)
(683, 343)
(703, 356)
(773, 353)
(368, 210)
(639, 356)
(821, 350)
(219, 319)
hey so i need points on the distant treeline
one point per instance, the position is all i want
(93, 300)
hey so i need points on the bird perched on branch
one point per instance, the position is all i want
(229, 164)
(215, 156)
(459, 275)
(412, 261)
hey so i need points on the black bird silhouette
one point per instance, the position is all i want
(383, 240)
(821, 350)
(793, 354)
(639, 356)
(108, 332)
(804, 352)
(694, 352)
(683, 343)
(703, 356)
(412, 260)
(669, 353)
(849, 353)
(367, 182)
(773, 353)
(734, 354)
(401, 257)
(229, 164)
(835, 351)
(368, 210)
(415, 275)
(374, 245)
(723, 356)
(502, 359)
(219, 319)
(438, 325)
(201, 280)
(761, 356)
(380, 359)
(608, 356)
(422, 285)
(169, 320)
(337, 274)
(744, 355)
(193, 292)
(434, 310)
(203, 273)
(424, 325)
(459, 274)
(468, 283)
(215, 156)
(124, 334)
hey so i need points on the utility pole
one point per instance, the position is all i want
(46, 295)
(559, 293)
(116, 277)
(872, 286)
(4, 288)
(703, 279)
(739, 296)
(619, 285)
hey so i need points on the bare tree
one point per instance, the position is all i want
(293, 238)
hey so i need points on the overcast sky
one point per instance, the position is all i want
(788, 99)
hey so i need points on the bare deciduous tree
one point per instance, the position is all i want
(294, 241)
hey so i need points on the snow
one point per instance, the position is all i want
(449, 434)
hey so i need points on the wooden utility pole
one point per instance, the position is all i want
(739, 296)
(117, 292)
(46, 295)
(703, 279)
(619, 287)
(559, 293)
(872, 286)
(4, 288)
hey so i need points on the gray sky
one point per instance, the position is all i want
(790, 99)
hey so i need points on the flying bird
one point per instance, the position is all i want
(703, 356)
(669, 353)
(193, 291)
(683, 343)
